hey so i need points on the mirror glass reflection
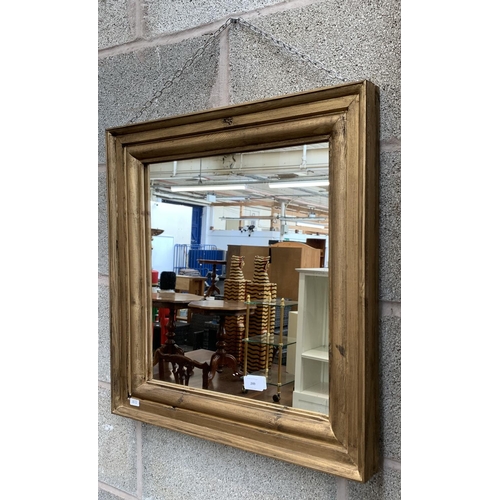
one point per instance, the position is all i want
(240, 274)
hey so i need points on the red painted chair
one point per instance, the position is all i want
(163, 319)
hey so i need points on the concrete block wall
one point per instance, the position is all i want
(141, 45)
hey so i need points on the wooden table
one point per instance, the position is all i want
(173, 301)
(222, 308)
(213, 287)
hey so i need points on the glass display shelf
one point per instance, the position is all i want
(273, 303)
(275, 342)
(272, 339)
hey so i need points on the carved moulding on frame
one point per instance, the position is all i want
(344, 442)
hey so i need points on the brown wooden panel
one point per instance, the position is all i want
(286, 257)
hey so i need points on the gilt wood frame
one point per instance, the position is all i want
(344, 443)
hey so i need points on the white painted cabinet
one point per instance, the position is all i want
(311, 359)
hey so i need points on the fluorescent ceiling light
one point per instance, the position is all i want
(295, 219)
(208, 187)
(308, 224)
(298, 184)
(250, 217)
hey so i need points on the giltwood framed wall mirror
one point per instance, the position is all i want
(338, 298)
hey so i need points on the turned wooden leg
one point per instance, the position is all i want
(221, 358)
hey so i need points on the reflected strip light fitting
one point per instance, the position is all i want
(308, 224)
(208, 187)
(285, 184)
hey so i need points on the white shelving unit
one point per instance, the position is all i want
(291, 349)
(311, 360)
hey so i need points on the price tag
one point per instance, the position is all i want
(134, 402)
(254, 382)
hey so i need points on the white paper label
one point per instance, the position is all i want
(254, 382)
(134, 402)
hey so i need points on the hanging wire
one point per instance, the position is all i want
(216, 34)
(290, 48)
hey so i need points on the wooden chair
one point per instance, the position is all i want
(182, 367)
